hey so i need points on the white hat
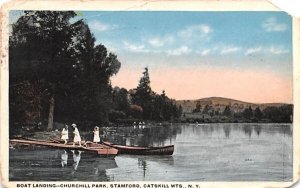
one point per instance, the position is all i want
(73, 125)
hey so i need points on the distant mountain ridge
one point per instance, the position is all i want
(219, 104)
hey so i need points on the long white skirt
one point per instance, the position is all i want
(96, 138)
(64, 135)
(76, 136)
(77, 139)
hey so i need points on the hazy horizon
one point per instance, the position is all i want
(233, 100)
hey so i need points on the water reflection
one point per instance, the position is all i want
(76, 158)
(46, 164)
(162, 135)
(64, 159)
(248, 129)
(143, 165)
(204, 152)
(227, 129)
(143, 136)
(257, 129)
(286, 129)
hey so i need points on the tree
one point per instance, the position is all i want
(206, 109)
(143, 95)
(248, 113)
(41, 48)
(61, 59)
(136, 111)
(282, 114)
(97, 99)
(27, 102)
(180, 110)
(120, 100)
(155, 107)
(227, 111)
(198, 108)
(257, 113)
(286, 113)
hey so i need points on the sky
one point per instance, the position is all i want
(241, 55)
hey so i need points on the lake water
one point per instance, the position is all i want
(207, 152)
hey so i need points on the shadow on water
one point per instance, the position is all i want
(44, 164)
(270, 129)
(227, 129)
(257, 129)
(143, 165)
(144, 136)
(248, 128)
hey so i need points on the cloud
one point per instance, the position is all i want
(204, 52)
(271, 25)
(101, 27)
(277, 50)
(179, 51)
(156, 42)
(251, 51)
(229, 49)
(134, 47)
(160, 41)
(111, 47)
(201, 30)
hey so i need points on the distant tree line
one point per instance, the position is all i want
(281, 114)
(58, 74)
(142, 103)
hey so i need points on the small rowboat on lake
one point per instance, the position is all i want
(136, 150)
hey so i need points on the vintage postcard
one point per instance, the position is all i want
(149, 94)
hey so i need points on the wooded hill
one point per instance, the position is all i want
(219, 103)
(217, 108)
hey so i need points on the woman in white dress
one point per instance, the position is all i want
(77, 137)
(96, 135)
(65, 134)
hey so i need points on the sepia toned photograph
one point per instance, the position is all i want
(143, 96)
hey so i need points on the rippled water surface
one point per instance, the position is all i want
(208, 152)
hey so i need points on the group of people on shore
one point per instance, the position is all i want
(77, 138)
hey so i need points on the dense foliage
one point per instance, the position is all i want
(143, 103)
(58, 74)
(57, 71)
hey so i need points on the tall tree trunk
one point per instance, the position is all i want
(51, 113)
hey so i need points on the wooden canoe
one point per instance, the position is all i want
(100, 149)
(135, 150)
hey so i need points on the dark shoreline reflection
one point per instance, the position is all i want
(257, 129)
(143, 135)
(248, 128)
(44, 164)
(227, 129)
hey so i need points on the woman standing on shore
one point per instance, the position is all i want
(96, 135)
(65, 134)
(77, 137)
